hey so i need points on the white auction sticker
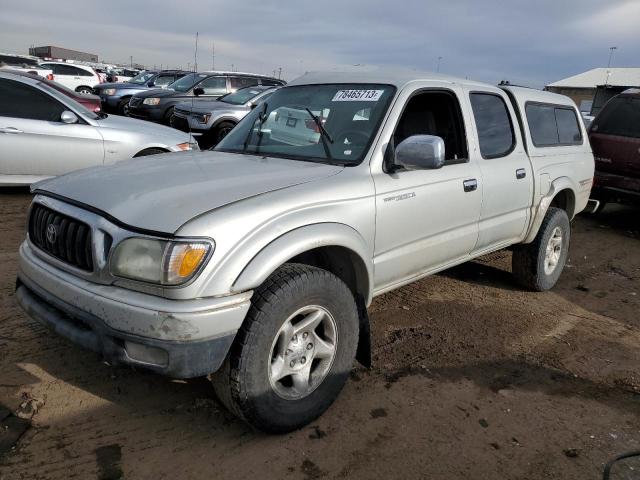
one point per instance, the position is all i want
(357, 95)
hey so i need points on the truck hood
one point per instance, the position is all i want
(162, 192)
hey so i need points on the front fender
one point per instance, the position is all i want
(302, 240)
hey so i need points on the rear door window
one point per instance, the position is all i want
(242, 82)
(24, 101)
(620, 116)
(495, 132)
(214, 85)
(164, 80)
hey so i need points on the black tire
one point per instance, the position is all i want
(529, 260)
(221, 131)
(123, 107)
(243, 383)
(149, 151)
(166, 119)
(84, 90)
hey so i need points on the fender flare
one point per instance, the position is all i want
(559, 184)
(301, 240)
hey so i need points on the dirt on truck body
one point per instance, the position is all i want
(531, 386)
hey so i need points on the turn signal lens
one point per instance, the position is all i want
(184, 259)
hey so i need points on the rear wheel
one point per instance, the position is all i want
(293, 355)
(84, 90)
(538, 265)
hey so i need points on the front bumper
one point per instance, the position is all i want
(109, 102)
(177, 338)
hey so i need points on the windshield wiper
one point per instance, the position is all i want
(324, 135)
(263, 118)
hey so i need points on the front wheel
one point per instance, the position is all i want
(294, 352)
(538, 265)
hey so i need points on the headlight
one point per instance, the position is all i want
(188, 146)
(109, 91)
(202, 118)
(158, 261)
(151, 101)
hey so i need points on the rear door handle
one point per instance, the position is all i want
(470, 185)
(521, 173)
(10, 130)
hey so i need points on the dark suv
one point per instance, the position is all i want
(158, 105)
(615, 140)
(115, 96)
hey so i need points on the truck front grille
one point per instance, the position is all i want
(61, 236)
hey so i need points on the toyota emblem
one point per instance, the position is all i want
(52, 233)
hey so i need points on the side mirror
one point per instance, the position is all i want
(151, 83)
(68, 117)
(252, 105)
(198, 91)
(420, 152)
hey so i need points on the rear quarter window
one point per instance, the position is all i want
(553, 125)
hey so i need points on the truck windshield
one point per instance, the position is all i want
(330, 123)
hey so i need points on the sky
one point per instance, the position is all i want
(530, 43)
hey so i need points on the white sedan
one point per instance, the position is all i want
(44, 133)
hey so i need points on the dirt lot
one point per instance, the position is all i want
(473, 378)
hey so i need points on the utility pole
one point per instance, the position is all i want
(611, 49)
(232, 68)
(195, 56)
(438, 67)
(131, 59)
(213, 56)
(279, 73)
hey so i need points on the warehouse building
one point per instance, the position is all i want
(606, 82)
(50, 51)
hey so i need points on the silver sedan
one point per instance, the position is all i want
(44, 133)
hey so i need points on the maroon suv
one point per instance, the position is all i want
(615, 140)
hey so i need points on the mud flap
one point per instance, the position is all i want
(363, 354)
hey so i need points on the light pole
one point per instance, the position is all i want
(131, 59)
(438, 67)
(611, 49)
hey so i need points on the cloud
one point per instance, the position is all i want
(531, 43)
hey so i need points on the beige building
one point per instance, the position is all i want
(582, 87)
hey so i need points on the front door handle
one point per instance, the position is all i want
(521, 173)
(10, 130)
(470, 185)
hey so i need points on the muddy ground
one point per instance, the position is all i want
(473, 378)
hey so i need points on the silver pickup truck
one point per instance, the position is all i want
(255, 262)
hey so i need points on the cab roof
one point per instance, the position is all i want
(387, 77)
